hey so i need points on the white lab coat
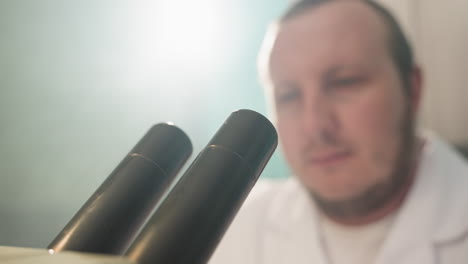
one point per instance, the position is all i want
(277, 224)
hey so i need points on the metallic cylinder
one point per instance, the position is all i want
(113, 215)
(190, 222)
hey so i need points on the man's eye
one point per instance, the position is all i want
(288, 96)
(345, 82)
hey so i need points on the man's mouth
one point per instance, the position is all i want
(329, 158)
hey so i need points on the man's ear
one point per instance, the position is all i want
(416, 89)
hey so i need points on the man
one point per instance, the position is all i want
(368, 188)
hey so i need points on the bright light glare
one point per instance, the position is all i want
(182, 34)
(189, 32)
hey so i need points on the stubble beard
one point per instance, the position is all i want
(381, 194)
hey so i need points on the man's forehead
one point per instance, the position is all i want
(338, 12)
(348, 27)
(333, 19)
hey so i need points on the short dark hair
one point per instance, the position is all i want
(400, 47)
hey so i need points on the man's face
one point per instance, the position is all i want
(338, 98)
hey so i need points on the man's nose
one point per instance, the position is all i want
(319, 116)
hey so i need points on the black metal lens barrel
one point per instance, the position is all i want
(113, 215)
(189, 223)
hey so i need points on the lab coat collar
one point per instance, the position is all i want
(292, 229)
(433, 214)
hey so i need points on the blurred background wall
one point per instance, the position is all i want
(439, 32)
(82, 81)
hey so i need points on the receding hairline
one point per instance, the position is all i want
(297, 12)
(303, 7)
(396, 41)
(372, 17)
(398, 45)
